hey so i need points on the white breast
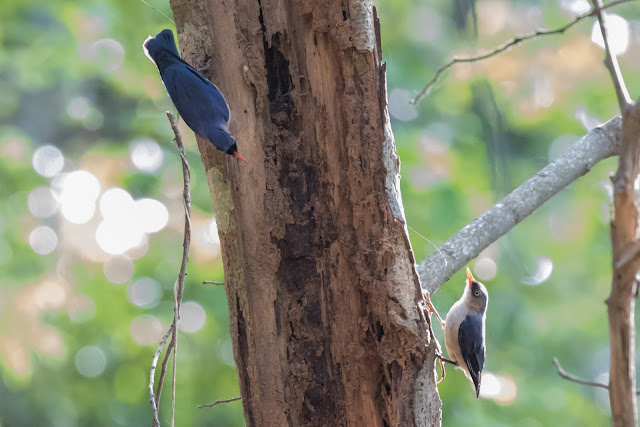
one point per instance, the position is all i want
(455, 316)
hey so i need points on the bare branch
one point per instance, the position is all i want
(567, 376)
(466, 244)
(611, 61)
(209, 282)
(217, 402)
(509, 44)
(570, 377)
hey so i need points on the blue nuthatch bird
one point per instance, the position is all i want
(198, 101)
(464, 330)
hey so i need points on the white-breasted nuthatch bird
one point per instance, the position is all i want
(464, 330)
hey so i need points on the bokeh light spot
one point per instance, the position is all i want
(485, 268)
(118, 269)
(151, 215)
(119, 231)
(146, 329)
(91, 361)
(43, 240)
(108, 53)
(399, 105)
(42, 203)
(146, 155)
(48, 161)
(617, 33)
(192, 317)
(145, 292)
(501, 388)
(116, 238)
(77, 193)
(78, 107)
(575, 7)
(544, 268)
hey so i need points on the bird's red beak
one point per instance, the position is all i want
(469, 277)
(238, 155)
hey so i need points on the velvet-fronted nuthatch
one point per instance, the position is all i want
(198, 101)
(464, 330)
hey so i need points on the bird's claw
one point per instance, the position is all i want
(432, 309)
(205, 66)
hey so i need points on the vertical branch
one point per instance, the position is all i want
(624, 236)
(178, 291)
(186, 243)
(621, 301)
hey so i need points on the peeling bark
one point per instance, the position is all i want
(323, 295)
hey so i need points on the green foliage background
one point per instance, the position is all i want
(483, 130)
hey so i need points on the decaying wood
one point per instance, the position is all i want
(323, 295)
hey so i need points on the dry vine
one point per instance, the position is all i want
(178, 290)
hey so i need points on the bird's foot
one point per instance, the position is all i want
(444, 359)
(432, 309)
(444, 372)
(205, 66)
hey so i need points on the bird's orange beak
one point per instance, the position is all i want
(469, 277)
(238, 155)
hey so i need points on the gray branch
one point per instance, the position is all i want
(598, 144)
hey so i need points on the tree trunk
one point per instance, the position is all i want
(323, 295)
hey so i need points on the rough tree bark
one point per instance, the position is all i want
(323, 295)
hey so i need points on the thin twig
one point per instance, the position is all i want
(611, 61)
(159, 11)
(432, 244)
(209, 282)
(217, 402)
(154, 362)
(567, 376)
(163, 369)
(570, 377)
(513, 42)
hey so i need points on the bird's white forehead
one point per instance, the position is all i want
(146, 49)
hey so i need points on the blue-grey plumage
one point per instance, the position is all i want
(198, 101)
(464, 330)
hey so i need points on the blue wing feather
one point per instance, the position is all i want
(199, 102)
(472, 347)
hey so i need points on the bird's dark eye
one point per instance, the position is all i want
(477, 293)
